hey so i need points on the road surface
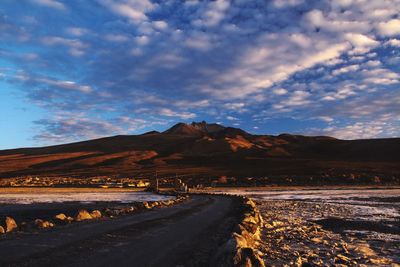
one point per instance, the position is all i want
(185, 234)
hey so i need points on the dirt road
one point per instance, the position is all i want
(186, 234)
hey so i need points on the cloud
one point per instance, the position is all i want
(280, 91)
(66, 129)
(76, 31)
(346, 69)
(389, 28)
(360, 40)
(170, 113)
(361, 130)
(393, 42)
(213, 14)
(118, 38)
(160, 25)
(69, 85)
(50, 3)
(169, 60)
(135, 10)
(76, 47)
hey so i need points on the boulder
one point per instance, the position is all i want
(43, 224)
(2, 231)
(146, 205)
(83, 215)
(251, 203)
(61, 217)
(247, 257)
(10, 224)
(111, 212)
(96, 214)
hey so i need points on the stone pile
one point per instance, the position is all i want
(84, 215)
(241, 248)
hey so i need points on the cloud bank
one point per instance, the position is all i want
(330, 66)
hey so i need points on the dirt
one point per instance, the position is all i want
(185, 234)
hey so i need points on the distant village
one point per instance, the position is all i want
(189, 181)
(101, 182)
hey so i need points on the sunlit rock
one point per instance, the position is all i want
(10, 224)
(61, 217)
(43, 224)
(96, 214)
(83, 215)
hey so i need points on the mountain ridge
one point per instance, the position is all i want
(210, 150)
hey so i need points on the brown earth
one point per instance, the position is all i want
(186, 234)
(213, 150)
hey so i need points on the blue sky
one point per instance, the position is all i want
(75, 70)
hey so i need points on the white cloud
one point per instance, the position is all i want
(373, 63)
(77, 31)
(135, 10)
(160, 25)
(231, 118)
(287, 3)
(50, 3)
(142, 40)
(301, 39)
(346, 69)
(389, 28)
(280, 91)
(359, 130)
(360, 40)
(69, 85)
(198, 41)
(326, 118)
(393, 42)
(76, 46)
(380, 76)
(170, 113)
(329, 53)
(213, 14)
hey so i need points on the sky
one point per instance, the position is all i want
(76, 70)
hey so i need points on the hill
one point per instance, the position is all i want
(212, 150)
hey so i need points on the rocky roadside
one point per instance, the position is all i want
(291, 238)
(8, 224)
(241, 249)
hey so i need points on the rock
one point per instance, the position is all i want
(341, 259)
(96, 214)
(250, 219)
(2, 231)
(251, 203)
(247, 257)
(146, 205)
(10, 224)
(128, 210)
(43, 224)
(61, 217)
(240, 241)
(299, 262)
(83, 215)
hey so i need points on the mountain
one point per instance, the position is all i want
(212, 150)
(195, 128)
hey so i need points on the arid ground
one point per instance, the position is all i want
(186, 233)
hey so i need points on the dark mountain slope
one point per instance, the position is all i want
(209, 150)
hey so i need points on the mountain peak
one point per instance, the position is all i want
(195, 128)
